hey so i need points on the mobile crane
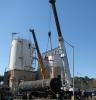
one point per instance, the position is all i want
(65, 72)
(42, 66)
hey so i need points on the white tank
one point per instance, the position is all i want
(53, 62)
(21, 55)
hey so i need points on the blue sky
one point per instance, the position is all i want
(78, 24)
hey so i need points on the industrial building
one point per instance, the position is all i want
(21, 65)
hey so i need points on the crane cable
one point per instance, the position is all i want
(49, 33)
(49, 40)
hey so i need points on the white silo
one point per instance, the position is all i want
(21, 60)
(53, 62)
(21, 55)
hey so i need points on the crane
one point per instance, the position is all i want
(42, 66)
(65, 71)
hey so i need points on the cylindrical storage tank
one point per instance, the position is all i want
(34, 84)
(21, 54)
(54, 84)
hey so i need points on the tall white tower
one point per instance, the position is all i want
(21, 55)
